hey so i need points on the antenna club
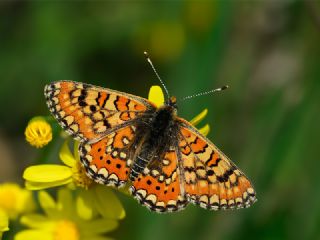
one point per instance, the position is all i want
(207, 92)
(146, 54)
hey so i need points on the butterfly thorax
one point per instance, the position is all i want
(157, 134)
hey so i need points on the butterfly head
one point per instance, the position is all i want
(172, 101)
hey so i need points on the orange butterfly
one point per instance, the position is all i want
(125, 137)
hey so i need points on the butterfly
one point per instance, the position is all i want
(126, 138)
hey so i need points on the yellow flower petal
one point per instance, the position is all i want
(205, 130)
(84, 204)
(61, 220)
(124, 189)
(65, 202)
(33, 235)
(33, 186)
(37, 221)
(47, 173)
(15, 200)
(47, 203)
(80, 177)
(66, 156)
(107, 203)
(66, 230)
(199, 117)
(26, 201)
(156, 96)
(101, 225)
(4, 221)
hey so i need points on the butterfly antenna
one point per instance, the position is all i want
(155, 71)
(207, 92)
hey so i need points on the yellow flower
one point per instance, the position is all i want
(156, 96)
(38, 132)
(4, 222)
(14, 200)
(96, 197)
(61, 220)
(99, 199)
(51, 175)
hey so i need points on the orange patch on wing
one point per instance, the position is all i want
(64, 98)
(66, 85)
(122, 133)
(103, 160)
(213, 159)
(102, 98)
(83, 126)
(198, 145)
(230, 194)
(191, 189)
(186, 133)
(163, 192)
(122, 103)
(139, 107)
(214, 189)
(237, 192)
(244, 184)
(172, 158)
(186, 150)
(125, 116)
(222, 191)
(203, 187)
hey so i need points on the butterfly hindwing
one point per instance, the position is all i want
(158, 187)
(211, 179)
(108, 160)
(88, 112)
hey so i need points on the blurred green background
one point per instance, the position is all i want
(268, 52)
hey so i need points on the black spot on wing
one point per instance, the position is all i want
(106, 123)
(226, 175)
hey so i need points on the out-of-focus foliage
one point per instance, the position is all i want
(268, 52)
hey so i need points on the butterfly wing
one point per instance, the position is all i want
(88, 112)
(159, 186)
(108, 160)
(211, 180)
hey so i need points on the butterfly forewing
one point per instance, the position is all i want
(211, 180)
(88, 112)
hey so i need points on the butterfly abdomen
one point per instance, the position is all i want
(157, 137)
